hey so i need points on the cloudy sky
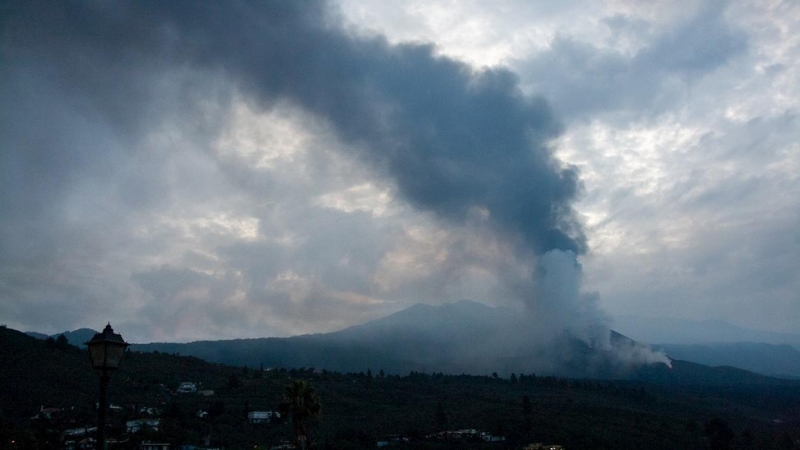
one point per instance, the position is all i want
(218, 170)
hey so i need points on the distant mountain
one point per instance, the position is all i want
(462, 337)
(767, 359)
(685, 373)
(37, 335)
(34, 375)
(77, 337)
(470, 337)
(303, 351)
(661, 409)
(688, 332)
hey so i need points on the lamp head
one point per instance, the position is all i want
(106, 350)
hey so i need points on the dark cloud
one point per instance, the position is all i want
(451, 138)
(110, 121)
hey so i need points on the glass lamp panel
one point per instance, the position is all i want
(97, 352)
(114, 352)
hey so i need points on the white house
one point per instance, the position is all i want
(153, 446)
(187, 387)
(47, 413)
(491, 438)
(262, 416)
(134, 426)
(73, 432)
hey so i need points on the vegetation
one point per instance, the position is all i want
(360, 410)
(300, 403)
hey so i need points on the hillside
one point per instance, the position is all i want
(691, 332)
(358, 408)
(76, 337)
(759, 357)
(474, 338)
(463, 337)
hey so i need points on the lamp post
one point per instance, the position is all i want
(105, 350)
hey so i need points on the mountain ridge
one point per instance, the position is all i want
(405, 341)
(76, 337)
(690, 332)
(463, 336)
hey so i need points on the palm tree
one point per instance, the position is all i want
(301, 403)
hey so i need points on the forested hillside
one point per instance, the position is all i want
(358, 409)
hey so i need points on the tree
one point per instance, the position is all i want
(61, 342)
(233, 382)
(301, 403)
(216, 410)
(441, 417)
(719, 434)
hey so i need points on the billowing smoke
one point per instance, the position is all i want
(453, 139)
(558, 300)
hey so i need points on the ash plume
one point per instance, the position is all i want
(453, 139)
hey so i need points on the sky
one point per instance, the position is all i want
(200, 170)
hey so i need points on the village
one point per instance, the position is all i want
(135, 427)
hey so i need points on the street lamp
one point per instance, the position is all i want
(105, 350)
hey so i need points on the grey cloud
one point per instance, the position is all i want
(731, 247)
(461, 144)
(92, 85)
(451, 139)
(584, 79)
(696, 47)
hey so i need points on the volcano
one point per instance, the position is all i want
(461, 337)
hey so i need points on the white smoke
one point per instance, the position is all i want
(559, 300)
(632, 354)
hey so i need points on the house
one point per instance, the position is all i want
(75, 432)
(206, 392)
(86, 444)
(111, 407)
(391, 439)
(540, 446)
(134, 426)
(465, 433)
(153, 446)
(149, 410)
(89, 444)
(488, 437)
(262, 416)
(47, 413)
(187, 387)
(201, 414)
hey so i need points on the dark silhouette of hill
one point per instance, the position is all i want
(463, 337)
(759, 357)
(33, 374)
(37, 335)
(76, 337)
(658, 408)
(36, 374)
